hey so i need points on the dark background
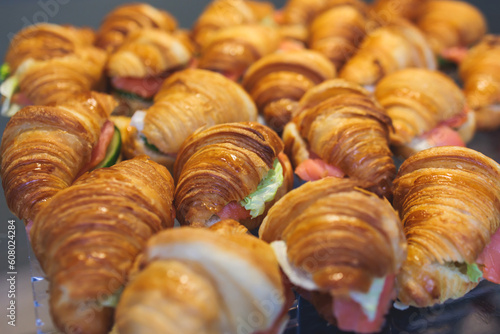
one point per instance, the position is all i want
(17, 14)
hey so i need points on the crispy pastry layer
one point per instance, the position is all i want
(480, 72)
(384, 11)
(341, 123)
(198, 281)
(44, 148)
(89, 234)
(277, 81)
(222, 164)
(124, 19)
(448, 199)
(387, 49)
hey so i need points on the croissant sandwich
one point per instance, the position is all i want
(187, 100)
(480, 74)
(217, 280)
(341, 246)
(125, 19)
(89, 234)
(44, 148)
(277, 81)
(340, 130)
(235, 170)
(385, 11)
(447, 198)
(427, 109)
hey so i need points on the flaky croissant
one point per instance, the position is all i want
(419, 101)
(204, 281)
(387, 49)
(334, 238)
(480, 72)
(89, 234)
(447, 198)
(217, 168)
(124, 19)
(341, 124)
(187, 100)
(277, 81)
(232, 50)
(46, 41)
(451, 24)
(384, 11)
(44, 148)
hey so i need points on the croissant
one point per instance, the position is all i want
(341, 124)
(220, 14)
(232, 50)
(220, 173)
(187, 100)
(387, 49)
(451, 25)
(44, 148)
(447, 198)
(204, 281)
(334, 239)
(424, 106)
(89, 234)
(124, 19)
(45, 41)
(337, 32)
(481, 80)
(277, 81)
(302, 12)
(385, 11)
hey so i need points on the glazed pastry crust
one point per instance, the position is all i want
(45, 148)
(446, 198)
(89, 234)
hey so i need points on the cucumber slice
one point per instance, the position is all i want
(149, 145)
(128, 95)
(113, 151)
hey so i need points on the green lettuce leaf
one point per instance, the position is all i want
(474, 273)
(112, 300)
(266, 190)
(4, 71)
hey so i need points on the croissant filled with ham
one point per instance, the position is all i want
(215, 280)
(187, 100)
(44, 148)
(447, 198)
(340, 130)
(341, 246)
(427, 109)
(235, 170)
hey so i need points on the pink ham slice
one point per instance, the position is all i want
(442, 135)
(350, 315)
(99, 151)
(490, 258)
(233, 210)
(315, 169)
(455, 54)
(144, 87)
(21, 99)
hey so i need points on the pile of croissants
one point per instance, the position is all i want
(141, 156)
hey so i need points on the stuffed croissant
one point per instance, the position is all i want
(277, 81)
(427, 109)
(234, 170)
(447, 198)
(341, 130)
(89, 234)
(480, 72)
(385, 11)
(187, 100)
(342, 247)
(44, 148)
(217, 280)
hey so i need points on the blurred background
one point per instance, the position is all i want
(17, 14)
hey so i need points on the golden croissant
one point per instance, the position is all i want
(277, 81)
(89, 234)
(447, 198)
(336, 242)
(449, 25)
(426, 107)
(235, 170)
(385, 11)
(232, 50)
(387, 49)
(44, 148)
(124, 19)
(480, 74)
(216, 280)
(341, 130)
